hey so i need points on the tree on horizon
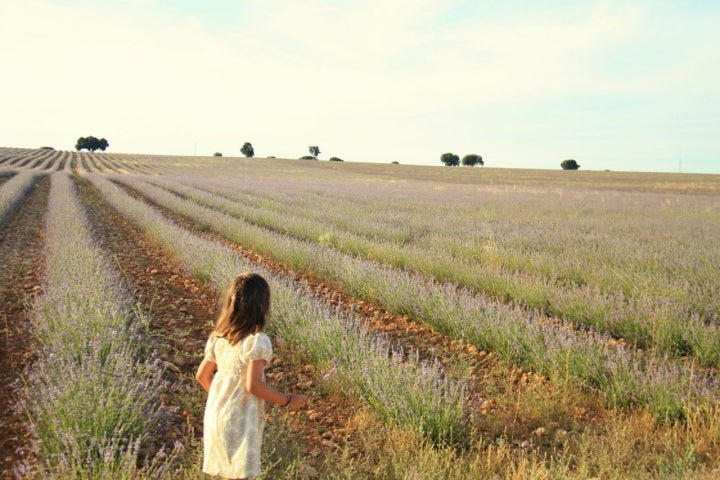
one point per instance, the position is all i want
(472, 159)
(91, 143)
(450, 159)
(569, 164)
(248, 150)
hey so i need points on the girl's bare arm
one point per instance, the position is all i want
(256, 386)
(205, 373)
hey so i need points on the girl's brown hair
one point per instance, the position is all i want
(244, 309)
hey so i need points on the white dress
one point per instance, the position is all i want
(234, 419)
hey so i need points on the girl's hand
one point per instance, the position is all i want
(296, 401)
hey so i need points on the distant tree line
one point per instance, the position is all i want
(472, 159)
(248, 150)
(92, 143)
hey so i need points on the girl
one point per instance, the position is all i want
(232, 372)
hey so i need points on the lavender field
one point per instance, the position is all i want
(476, 323)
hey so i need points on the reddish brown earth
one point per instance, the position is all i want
(21, 263)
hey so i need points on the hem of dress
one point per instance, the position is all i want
(232, 474)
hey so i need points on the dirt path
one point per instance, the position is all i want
(21, 263)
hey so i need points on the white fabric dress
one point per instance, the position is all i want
(234, 419)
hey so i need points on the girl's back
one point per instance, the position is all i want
(234, 419)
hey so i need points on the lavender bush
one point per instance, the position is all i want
(92, 394)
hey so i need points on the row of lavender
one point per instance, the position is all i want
(13, 190)
(416, 395)
(668, 386)
(49, 160)
(35, 159)
(91, 397)
(611, 274)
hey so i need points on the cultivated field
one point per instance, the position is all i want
(445, 322)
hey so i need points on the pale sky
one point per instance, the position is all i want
(619, 85)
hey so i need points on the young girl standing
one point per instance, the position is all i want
(232, 372)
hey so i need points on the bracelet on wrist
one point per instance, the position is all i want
(289, 399)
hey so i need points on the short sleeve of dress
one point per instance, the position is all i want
(210, 349)
(259, 348)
